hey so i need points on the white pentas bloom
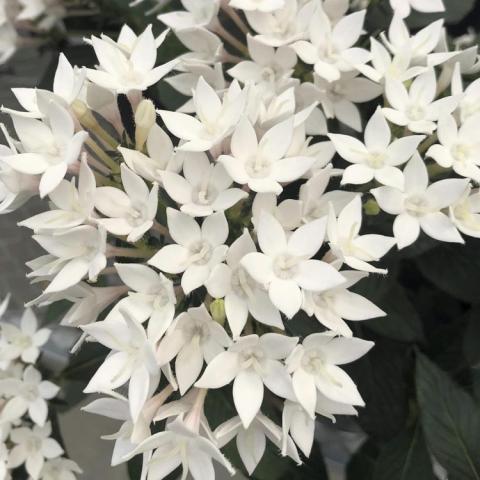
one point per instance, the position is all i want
(159, 157)
(32, 447)
(80, 252)
(132, 360)
(126, 67)
(263, 165)
(378, 158)
(288, 212)
(216, 117)
(268, 68)
(419, 206)
(356, 250)
(179, 446)
(47, 148)
(197, 249)
(404, 7)
(203, 189)
(23, 342)
(153, 297)
(417, 108)
(286, 266)
(251, 362)
(131, 212)
(315, 366)
(71, 206)
(197, 13)
(193, 338)
(465, 213)
(330, 48)
(60, 469)
(28, 394)
(332, 307)
(251, 442)
(242, 294)
(459, 147)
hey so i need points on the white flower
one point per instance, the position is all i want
(126, 67)
(161, 157)
(315, 200)
(48, 149)
(282, 26)
(132, 212)
(404, 7)
(153, 297)
(23, 342)
(197, 13)
(73, 255)
(288, 212)
(179, 446)
(314, 366)
(251, 362)
(193, 338)
(286, 267)
(132, 359)
(417, 108)
(251, 441)
(260, 5)
(330, 48)
(263, 165)
(32, 447)
(419, 205)
(197, 251)
(459, 147)
(67, 85)
(204, 48)
(243, 295)
(72, 206)
(349, 246)
(334, 306)
(297, 422)
(216, 118)
(89, 302)
(465, 213)
(268, 67)
(418, 46)
(338, 98)
(60, 469)
(378, 157)
(203, 189)
(131, 432)
(28, 394)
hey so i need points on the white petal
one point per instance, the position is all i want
(220, 371)
(349, 148)
(317, 276)
(271, 236)
(406, 230)
(188, 366)
(286, 296)
(247, 395)
(305, 391)
(437, 225)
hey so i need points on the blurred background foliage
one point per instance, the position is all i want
(421, 382)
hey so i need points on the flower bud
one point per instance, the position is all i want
(145, 117)
(217, 310)
(371, 207)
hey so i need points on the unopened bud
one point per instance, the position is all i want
(145, 117)
(217, 310)
(371, 207)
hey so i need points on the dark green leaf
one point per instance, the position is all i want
(455, 12)
(405, 458)
(472, 337)
(450, 419)
(362, 464)
(402, 322)
(455, 269)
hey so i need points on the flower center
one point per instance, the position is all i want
(416, 112)
(461, 152)
(376, 159)
(258, 167)
(242, 283)
(285, 266)
(417, 205)
(200, 253)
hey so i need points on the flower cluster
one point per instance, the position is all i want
(198, 244)
(25, 431)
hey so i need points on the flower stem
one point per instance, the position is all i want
(229, 38)
(128, 252)
(236, 18)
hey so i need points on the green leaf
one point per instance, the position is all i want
(402, 322)
(455, 12)
(455, 269)
(450, 419)
(382, 377)
(362, 463)
(405, 458)
(471, 338)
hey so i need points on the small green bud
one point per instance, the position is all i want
(371, 207)
(217, 310)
